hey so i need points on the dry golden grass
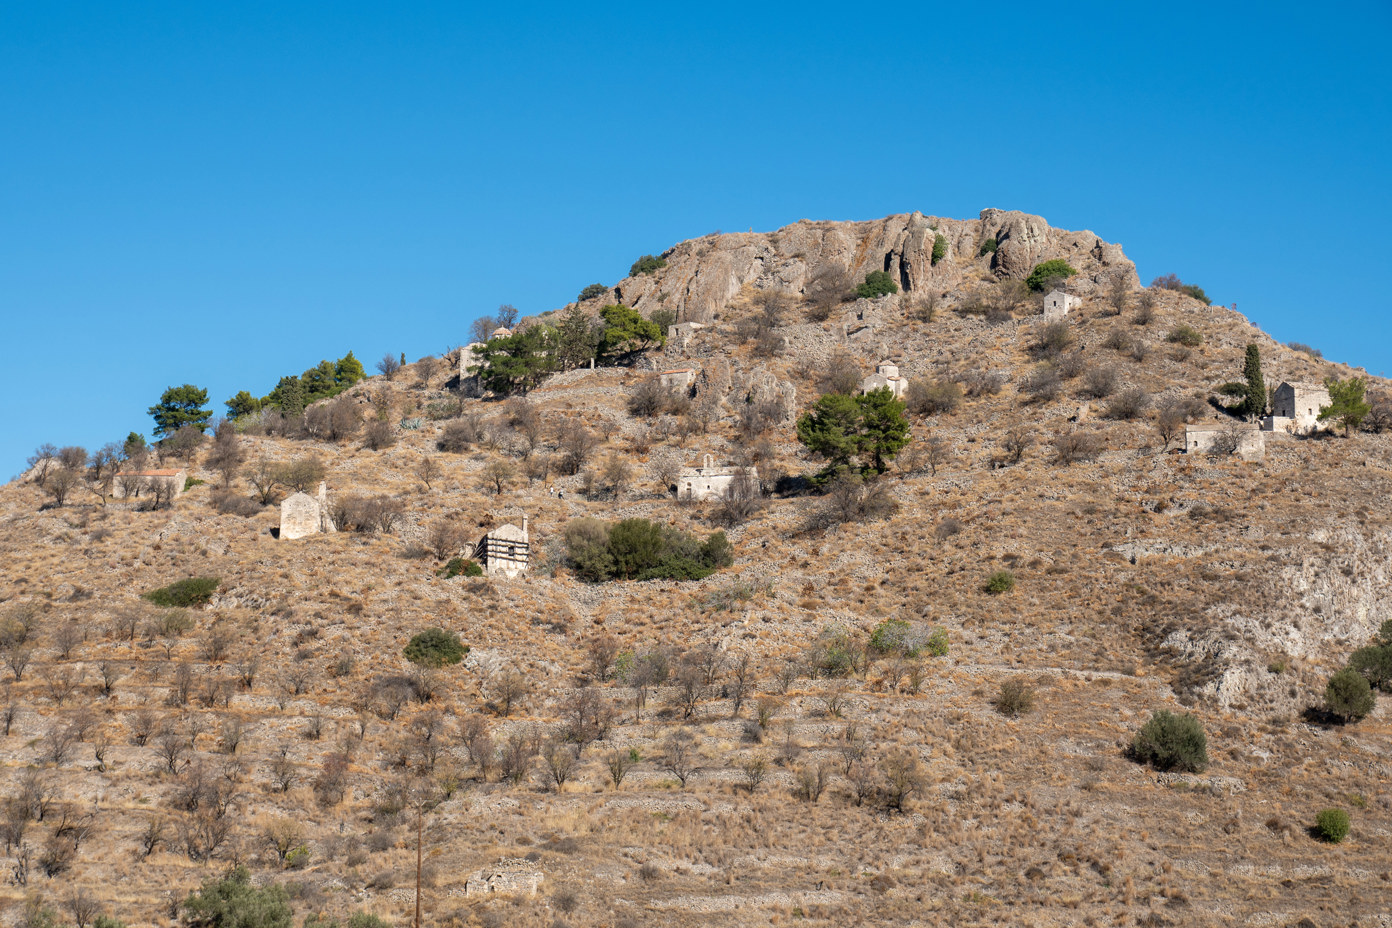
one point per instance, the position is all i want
(1037, 820)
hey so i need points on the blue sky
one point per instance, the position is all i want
(221, 194)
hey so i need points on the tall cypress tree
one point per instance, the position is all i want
(1255, 402)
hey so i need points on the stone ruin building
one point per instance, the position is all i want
(133, 483)
(504, 551)
(679, 380)
(678, 335)
(1057, 304)
(1243, 439)
(709, 481)
(302, 514)
(1295, 408)
(508, 877)
(886, 375)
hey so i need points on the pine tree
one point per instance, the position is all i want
(181, 406)
(348, 370)
(1255, 402)
(576, 339)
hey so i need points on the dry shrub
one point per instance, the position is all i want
(230, 503)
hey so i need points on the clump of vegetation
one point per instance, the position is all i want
(1349, 696)
(896, 636)
(876, 285)
(1332, 825)
(988, 247)
(939, 247)
(460, 567)
(592, 291)
(1348, 406)
(1172, 741)
(232, 902)
(1306, 349)
(646, 265)
(184, 594)
(861, 433)
(1049, 274)
(637, 549)
(435, 647)
(1001, 581)
(1185, 335)
(1015, 698)
(1172, 282)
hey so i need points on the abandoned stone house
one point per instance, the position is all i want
(1295, 408)
(302, 514)
(710, 481)
(886, 375)
(1242, 439)
(507, 877)
(133, 483)
(680, 379)
(468, 359)
(504, 551)
(681, 333)
(1058, 303)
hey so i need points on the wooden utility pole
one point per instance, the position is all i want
(420, 820)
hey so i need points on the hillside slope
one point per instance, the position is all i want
(1143, 579)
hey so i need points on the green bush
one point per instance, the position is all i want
(646, 265)
(939, 248)
(876, 285)
(1048, 274)
(637, 549)
(895, 636)
(987, 247)
(233, 902)
(1002, 581)
(460, 567)
(1197, 293)
(1332, 825)
(1172, 742)
(592, 291)
(1186, 335)
(936, 644)
(1374, 662)
(1349, 696)
(435, 647)
(184, 594)
(191, 482)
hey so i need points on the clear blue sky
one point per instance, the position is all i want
(224, 193)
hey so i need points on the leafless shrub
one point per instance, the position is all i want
(1131, 403)
(938, 397)
(1042, 384)
(850, 498)
(462, 434)
(1145, 308)
(981, 383)
(1016, 441)
(1072, 447)
(841, 374)
(679, 757)
(1101, 381)
(1053, 339)
(810, 781)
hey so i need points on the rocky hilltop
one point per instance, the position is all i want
(910, 700)
(703, 275)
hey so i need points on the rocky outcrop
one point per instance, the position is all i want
(703, 276)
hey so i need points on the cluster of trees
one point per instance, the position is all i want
(517, 363)
(292, 394)
(637, 549)
(860, 433)
(1350, 694)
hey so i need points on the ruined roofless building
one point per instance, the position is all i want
(504, 551)
(133, 483)
(709, 481)
(680, 379)
(302, 514)
(1243, 439)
